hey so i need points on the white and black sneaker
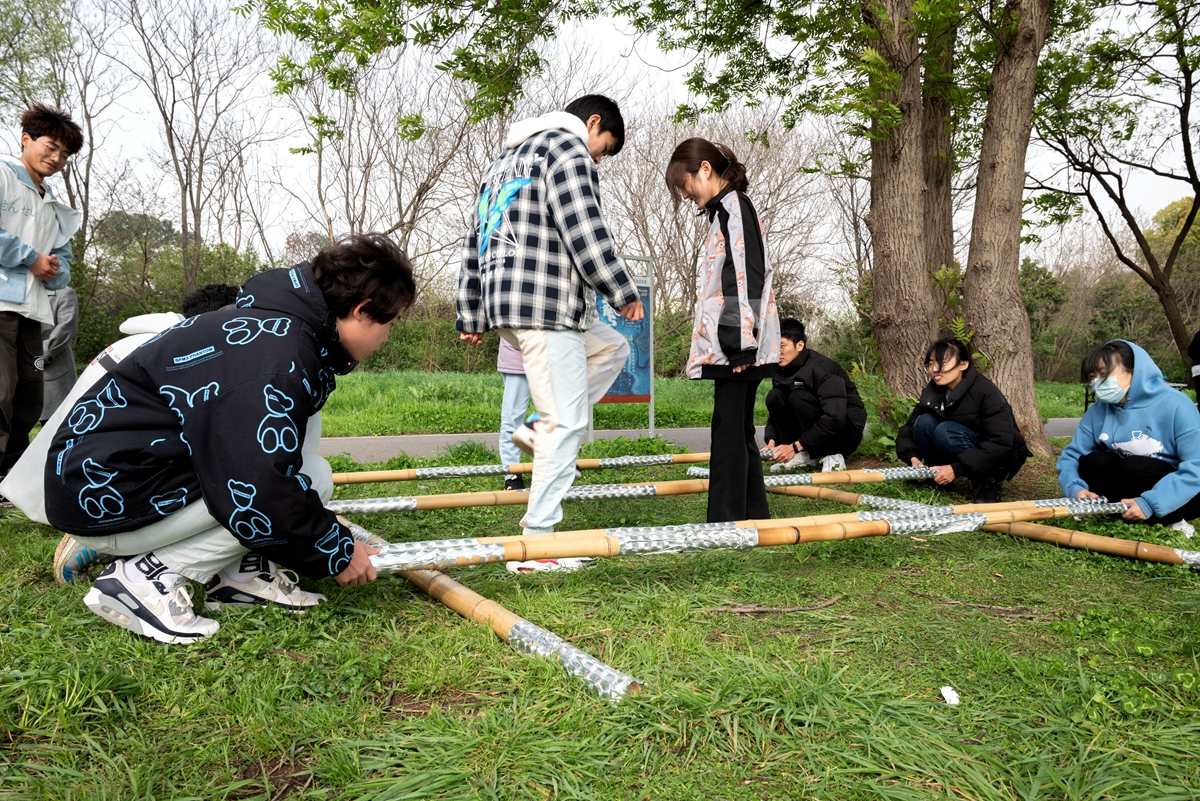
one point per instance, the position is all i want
(148, 598)
(255, 580)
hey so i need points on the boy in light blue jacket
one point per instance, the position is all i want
(1140, 441)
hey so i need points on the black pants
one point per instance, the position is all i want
(20, 385)
(735, 479)
(1116, 477)
(794, 412)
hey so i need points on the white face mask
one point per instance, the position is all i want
(1108, 390)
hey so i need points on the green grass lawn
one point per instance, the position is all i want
(1078, 673)
(413, 402)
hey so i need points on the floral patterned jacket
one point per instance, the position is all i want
(735, 260)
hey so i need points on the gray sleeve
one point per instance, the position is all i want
(66, 320)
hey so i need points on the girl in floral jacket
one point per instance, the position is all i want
(735, 340)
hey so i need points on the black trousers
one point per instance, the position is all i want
(794, 412)
(735, 480)
(1116, 477)
(21, 385)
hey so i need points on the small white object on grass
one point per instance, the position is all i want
(950, 696)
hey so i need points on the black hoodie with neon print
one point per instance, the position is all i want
(213, 410)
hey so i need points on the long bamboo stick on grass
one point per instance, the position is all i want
(519, 633)
(1066, 538)
(587, 492)
(412, 474)
(438, 554)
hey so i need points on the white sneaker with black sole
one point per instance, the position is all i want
(143, 595)
(255, 580)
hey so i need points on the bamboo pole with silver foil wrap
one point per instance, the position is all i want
(524, 637)
(467, 471)
(593, 492)
(1063, 537)
(460, 500)
(690, 538)
(865, 476)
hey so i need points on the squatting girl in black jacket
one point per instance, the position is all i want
(962, 425)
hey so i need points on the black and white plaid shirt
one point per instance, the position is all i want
(538, 246)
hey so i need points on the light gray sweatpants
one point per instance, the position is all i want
(568, 371)
(191, 542)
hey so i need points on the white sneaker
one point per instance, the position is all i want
(834, 461)
(72, 559)
(562, 565)
(801, 459)
(141, 594)
(1185, 528)
(255, 580)
(523, 437)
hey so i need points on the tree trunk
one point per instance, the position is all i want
(991, 293)
(1179, 330)
(939, 165)
(903, 315)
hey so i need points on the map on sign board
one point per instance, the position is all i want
(633, 384)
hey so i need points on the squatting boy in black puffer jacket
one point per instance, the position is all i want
(814, 407)
(189, 454)
(962, 425)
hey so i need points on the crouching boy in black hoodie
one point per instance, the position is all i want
(189, 455)
(815, 412)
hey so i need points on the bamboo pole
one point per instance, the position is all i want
(412, 474)
(1066, 538)
(459, 500)
(520, 634)
(864, 476)
(587, 492)
(604, 543)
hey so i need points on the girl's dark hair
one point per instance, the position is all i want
(939, 350)
(1100, 361)
(691, 153)
(41, 120)
(365, 267)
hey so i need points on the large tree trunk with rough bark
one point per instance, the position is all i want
(903, 316)
(991, 294)
(939, 165)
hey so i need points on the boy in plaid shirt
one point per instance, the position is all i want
(536, 253)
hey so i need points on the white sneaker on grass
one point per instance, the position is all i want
(255, 580)
(801, 459)
(143, 595)
(72, 559)
(1185, 528)
(832, 462)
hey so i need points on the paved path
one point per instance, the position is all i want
(379, 449)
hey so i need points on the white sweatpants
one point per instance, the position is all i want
(191, 542)
(568, 371)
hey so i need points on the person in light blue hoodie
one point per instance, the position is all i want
(1140, 442)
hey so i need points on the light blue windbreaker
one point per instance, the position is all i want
(1156, 421)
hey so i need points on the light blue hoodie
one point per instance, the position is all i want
(1156, 421)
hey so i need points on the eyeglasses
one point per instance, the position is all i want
(52, 150)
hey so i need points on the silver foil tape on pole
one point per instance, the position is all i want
(686, 538)
(605, 681)
(435, 555)
(903, 473)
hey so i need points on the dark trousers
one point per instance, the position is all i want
(20, 385)
(735, 480)
(1116, 477)
(794, 412)
(941, 441)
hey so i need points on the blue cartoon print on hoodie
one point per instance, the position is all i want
(169, 502)
(276, 431)
(246, 521)
(88, 414)
(98, 499)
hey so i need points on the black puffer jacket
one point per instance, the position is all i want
(842, 409)
(213, 409)
(980, 406)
